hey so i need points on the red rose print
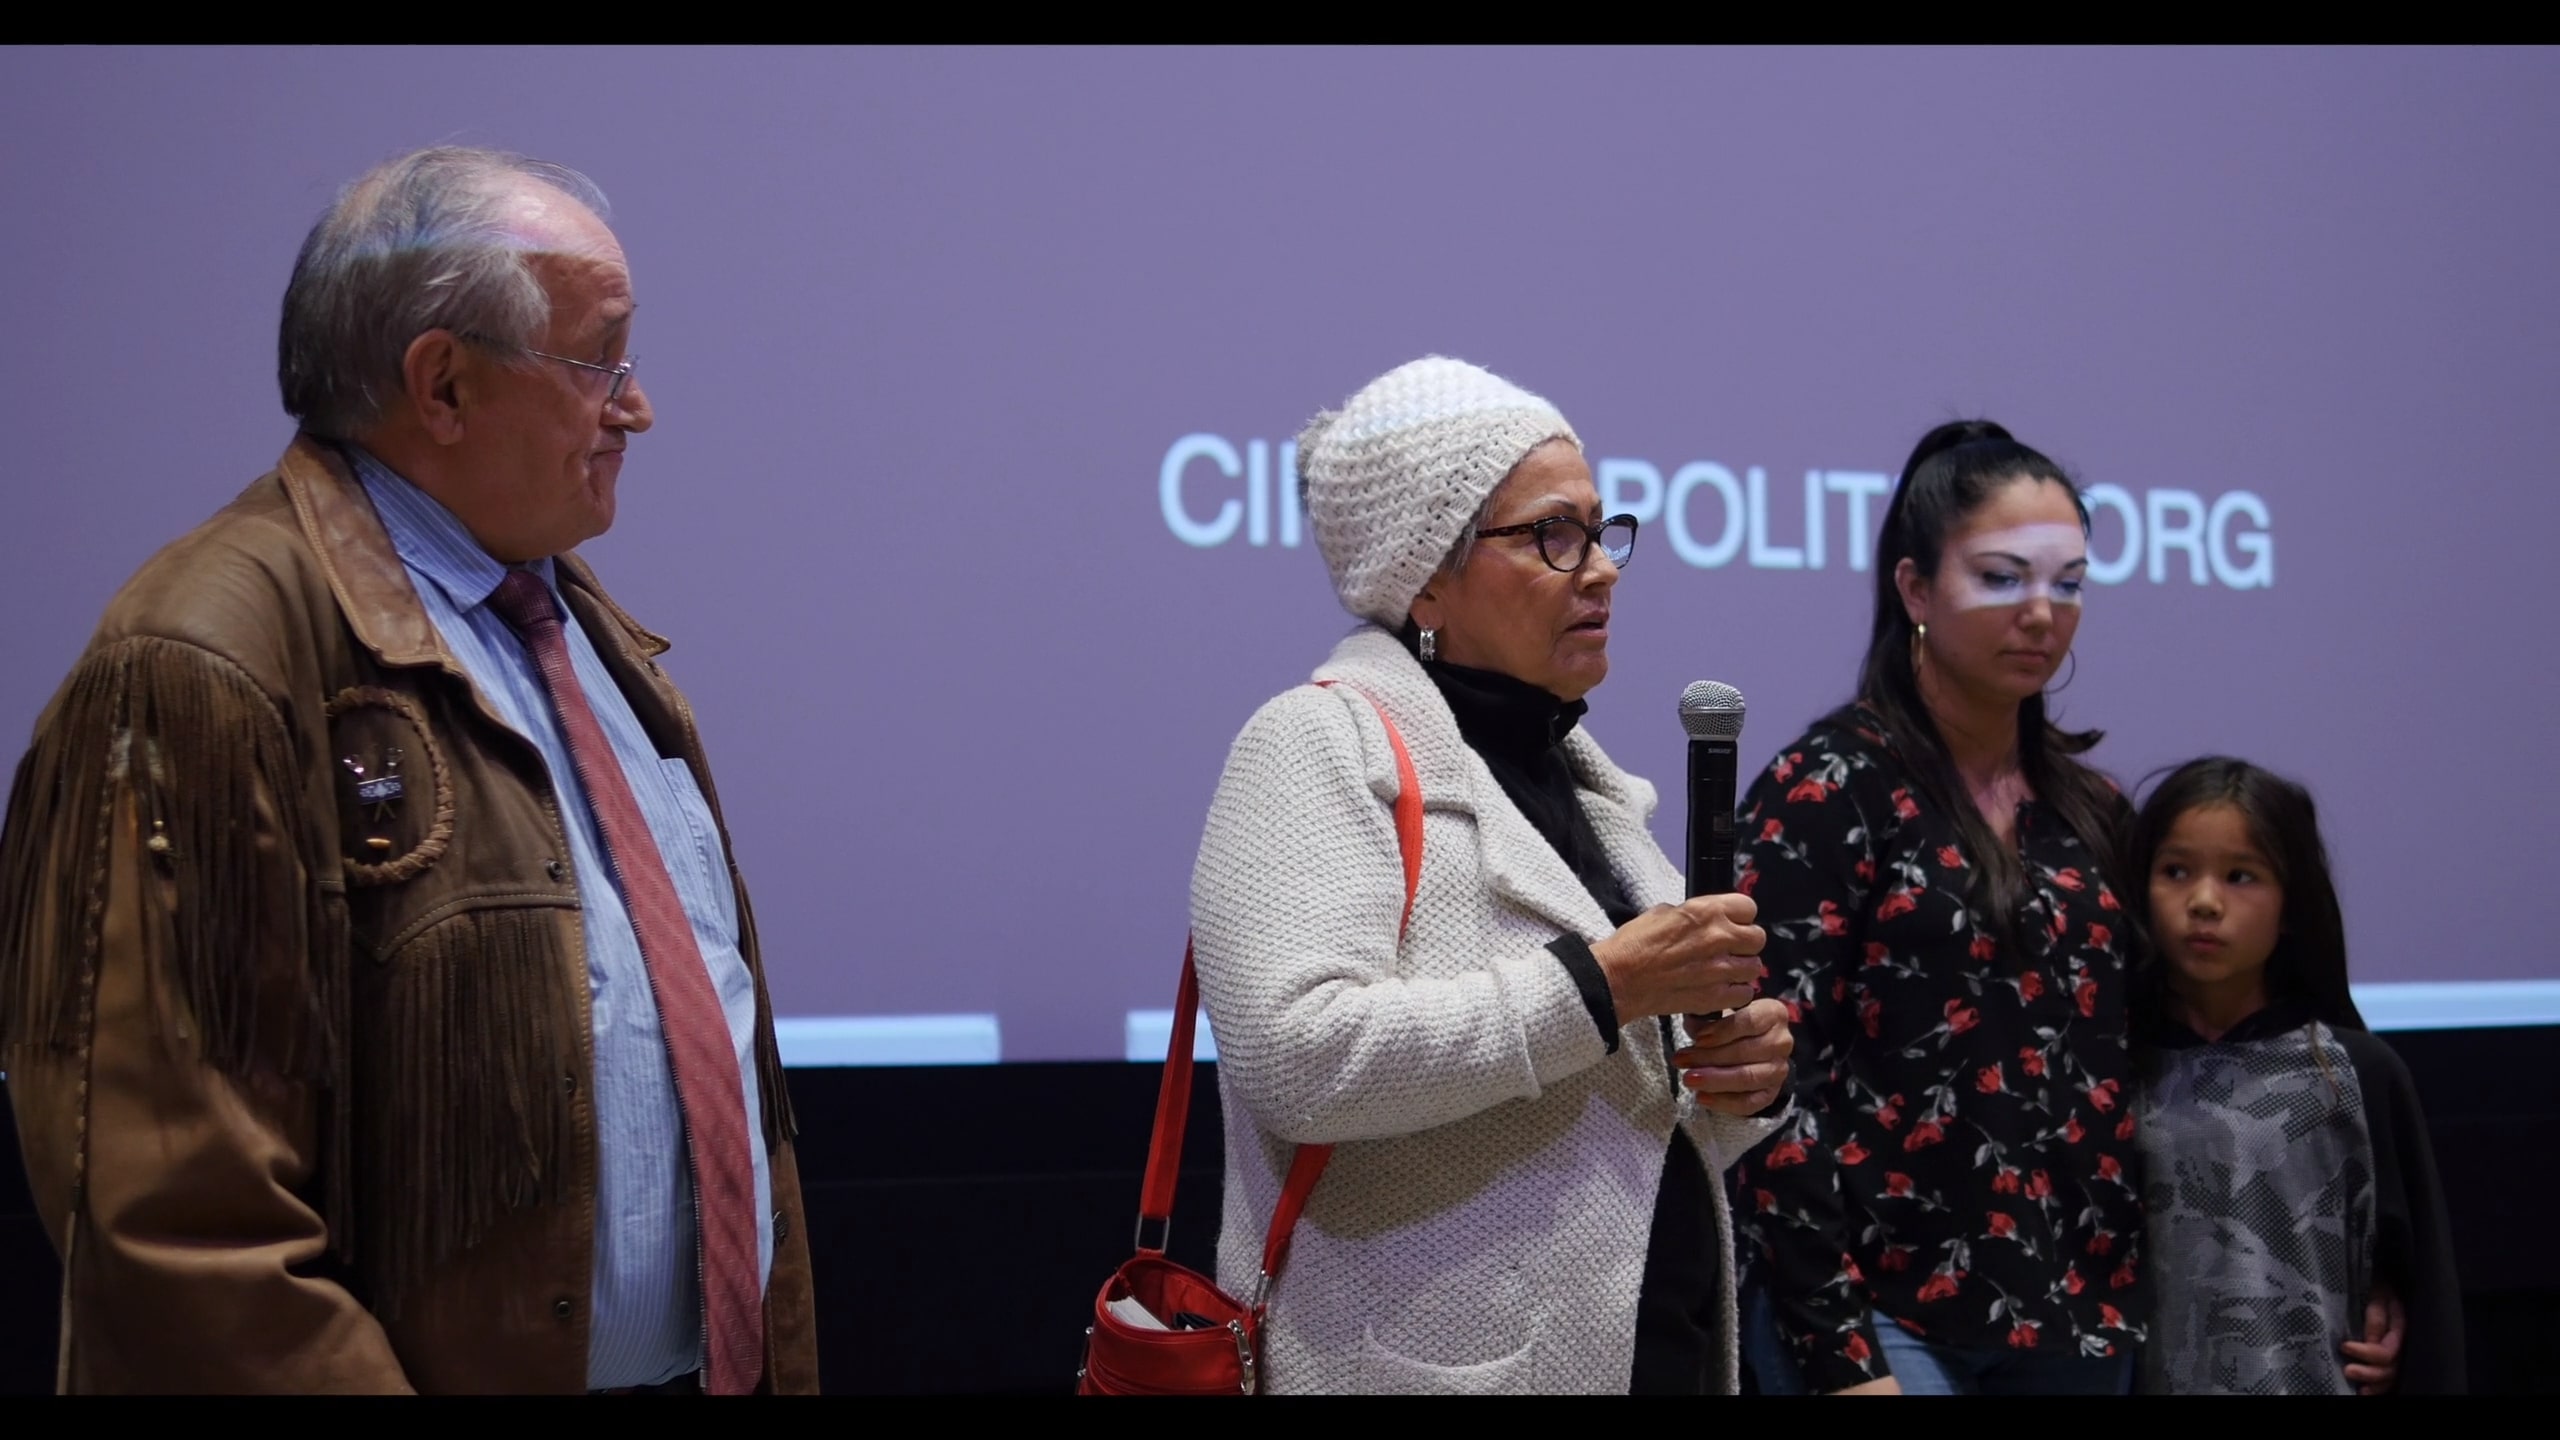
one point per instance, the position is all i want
(1897, 903)
(2118, 1281)
(1877, 952)
(2108, 1169)
(2068, 879)
(2022, 1336)
(2103, 1094)
(1983, 948)
(2071, 1130)
(1866, 870)
(2110, 1316)
(1941, 1286)
(2006, 1182)
(1855, 1348)
(1749, 882)
(1960, 1017)
(1833, 922)
(2039, 1186)
(1851, 1153)
(1786, 1153)
(1795, 1011)
(2125, 1130)
(2107, 898)
(2030, 984)
(2100, 937)
(2085, 993)
(1903, 807)
(2072, 1284)
(1871, 1015)
(1895, 1259)
(1771, 830)
(1924, 1134)
(1767, 1201)
(1897, 1184)
(1887, 1116)
(1839, 989)
(1811, 791)
(1849, 1268)
(1785, 769)
(2002, 1227)
(2101, 1243)
(1988, 1080)
(1950, 858)
(2031, 1060)
(2057, 926)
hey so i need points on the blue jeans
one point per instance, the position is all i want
(1926, 1369)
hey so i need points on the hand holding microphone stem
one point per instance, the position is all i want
(1700, 955)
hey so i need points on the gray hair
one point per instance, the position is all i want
(418, 243)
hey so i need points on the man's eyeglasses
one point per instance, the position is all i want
(1565, 543)
(621, 373)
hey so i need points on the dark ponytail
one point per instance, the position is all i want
(1951, 472)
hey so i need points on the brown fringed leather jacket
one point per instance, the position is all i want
(303, 1079)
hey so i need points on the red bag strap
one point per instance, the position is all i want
(1173, 1096)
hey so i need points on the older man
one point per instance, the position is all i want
(380, 1005)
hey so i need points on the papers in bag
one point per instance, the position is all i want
(1129, 1312)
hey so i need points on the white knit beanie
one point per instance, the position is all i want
(1395, 474)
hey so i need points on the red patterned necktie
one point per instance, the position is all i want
(709, 1088)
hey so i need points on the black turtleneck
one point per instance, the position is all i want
(1518, 730)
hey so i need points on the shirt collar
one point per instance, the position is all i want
(430, 540)
(2278, 1016)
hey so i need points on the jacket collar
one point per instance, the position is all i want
(1518, 861)
(366, 576)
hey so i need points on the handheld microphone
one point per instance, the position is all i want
(1711, 712)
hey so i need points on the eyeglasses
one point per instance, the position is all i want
(621, 373)
(1565, 543)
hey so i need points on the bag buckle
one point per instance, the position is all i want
(1164, 1237)
(1244, 1356)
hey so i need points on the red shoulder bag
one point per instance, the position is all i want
(1165, 1329)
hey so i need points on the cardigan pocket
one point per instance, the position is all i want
(1384, 1372)
(1465, 1330)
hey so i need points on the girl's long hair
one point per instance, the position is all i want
(1951, 472)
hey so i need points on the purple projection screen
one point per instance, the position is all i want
(976, 370)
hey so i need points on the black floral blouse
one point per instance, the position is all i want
(1961, 1157)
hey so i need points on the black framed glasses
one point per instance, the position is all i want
(1565, 543)
(621, 373)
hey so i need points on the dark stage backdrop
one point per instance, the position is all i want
(977, 372)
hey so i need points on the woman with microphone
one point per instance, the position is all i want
(1952, 1206)
(1525, 1192)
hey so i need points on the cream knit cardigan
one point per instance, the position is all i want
(1482, 1227)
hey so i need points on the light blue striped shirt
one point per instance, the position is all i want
(647, 1322)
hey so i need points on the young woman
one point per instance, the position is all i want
(2288, 1171)
(1952, 1204)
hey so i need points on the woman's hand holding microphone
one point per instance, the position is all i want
(1694, 959)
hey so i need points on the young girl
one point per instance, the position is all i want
(2287, 1170)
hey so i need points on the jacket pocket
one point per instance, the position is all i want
(1469, 1329)
(1385, 1372)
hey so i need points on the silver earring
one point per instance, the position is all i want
(1430, 645)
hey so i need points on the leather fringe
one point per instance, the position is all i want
(469, 1055)
(251, 948)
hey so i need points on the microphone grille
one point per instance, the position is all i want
(1711, 710)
